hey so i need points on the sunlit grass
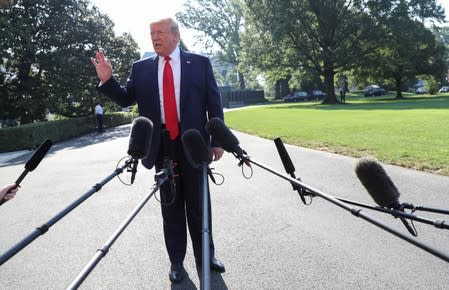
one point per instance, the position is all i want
(413, 132)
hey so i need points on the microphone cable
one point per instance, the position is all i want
(129, 168)
(211, 174)
(168, 169)
(244, 159)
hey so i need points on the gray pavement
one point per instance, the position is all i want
(263, 233)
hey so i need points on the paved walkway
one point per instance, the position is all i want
(262, 232)
(9, 156)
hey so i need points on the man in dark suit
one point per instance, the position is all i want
(185, 83)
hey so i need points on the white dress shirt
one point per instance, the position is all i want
(175, 63)
(98, 110)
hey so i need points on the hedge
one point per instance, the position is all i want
(30, 136)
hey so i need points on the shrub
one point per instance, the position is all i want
(30, 136)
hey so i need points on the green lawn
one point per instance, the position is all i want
(413, 132)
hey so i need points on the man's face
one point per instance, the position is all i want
(164, 40)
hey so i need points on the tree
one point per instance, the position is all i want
(261, 55)
(334, 37)
(326, 37)
(406, 47)
(442, 34)
(45, 57)
(220, 22)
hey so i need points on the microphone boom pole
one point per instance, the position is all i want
(290, 169)
(441, 224)
(206, 232)
(160, 178)
(423, 208)
(224, 137)
(198, 156)
(356, 211)
(46, 226)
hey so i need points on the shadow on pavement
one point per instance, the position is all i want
(216, 282)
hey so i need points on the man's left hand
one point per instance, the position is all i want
(216, 153)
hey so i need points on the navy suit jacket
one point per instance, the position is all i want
(199, 100)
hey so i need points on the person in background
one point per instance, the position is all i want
(342, 95)
(8, 192)
(177, 91)
(99, 116)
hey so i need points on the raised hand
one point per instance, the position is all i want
(102, 66)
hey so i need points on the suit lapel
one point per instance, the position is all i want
(151, 77)
(153, 71)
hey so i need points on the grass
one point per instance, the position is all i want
(413, 132)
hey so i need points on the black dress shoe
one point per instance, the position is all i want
(176, 273)
(215, 265)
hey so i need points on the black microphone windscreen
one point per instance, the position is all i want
(197, 152)
(285, 158)
(222, 135)
(376, 181)
(140, 137)
(38, 155)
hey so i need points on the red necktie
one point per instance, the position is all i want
(168, 89)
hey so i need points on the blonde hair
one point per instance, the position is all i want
(174, 28)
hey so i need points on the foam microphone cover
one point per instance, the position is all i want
(38, 155)
(376, 181)
(140, 137)
(285, 158)
(197, 152)
(222, 135)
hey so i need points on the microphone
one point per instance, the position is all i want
(379, 185)
(285, 158)
(376, 181)
(139, 142)
(33, 162)
(196, 149)
(289, 167)
(224, 137)
(140, 137)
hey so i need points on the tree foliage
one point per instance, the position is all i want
(45, 57)
(324, 37)
(334, 37)
(406, 47)
(219, 22)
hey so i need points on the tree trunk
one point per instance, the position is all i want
(241, 81)
(329, 75)
(277, 89)
(285, 90)
(398, 88)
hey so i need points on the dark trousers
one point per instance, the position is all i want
(100, 122)
(186, 210)
(343, 96)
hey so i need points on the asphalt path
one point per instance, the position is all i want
(264, 235)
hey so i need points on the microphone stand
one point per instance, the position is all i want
(160, 178)
(205, 285)
(46, 226)
(244, 158)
